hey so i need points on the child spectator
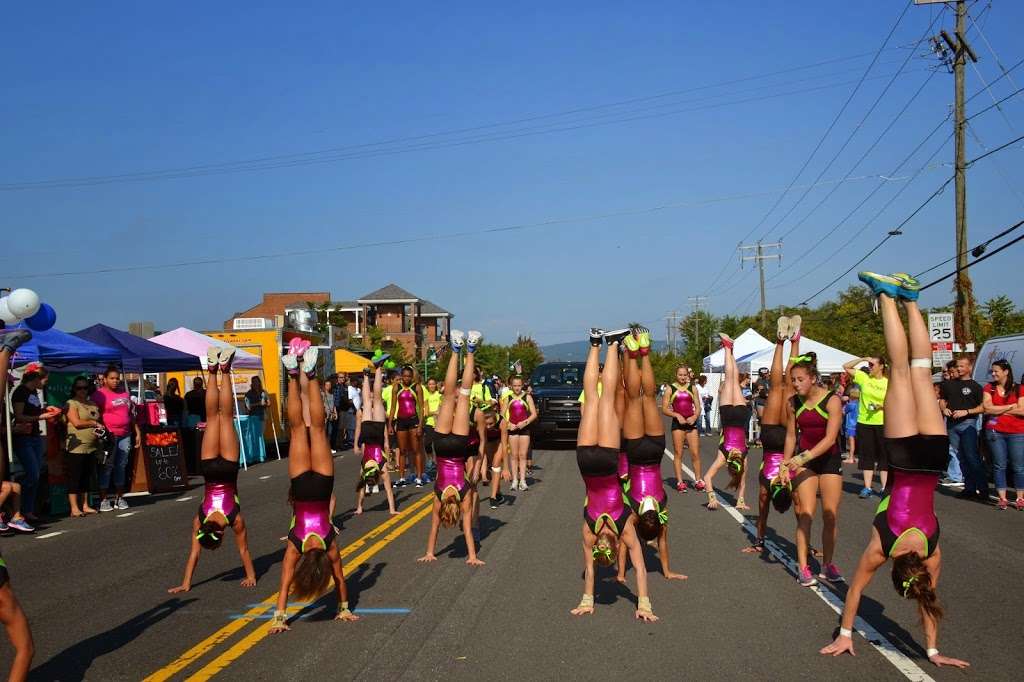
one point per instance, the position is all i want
(850, 422)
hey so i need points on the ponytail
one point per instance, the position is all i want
(910, 577)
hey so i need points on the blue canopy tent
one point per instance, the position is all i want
(137, 355)
(55, 348)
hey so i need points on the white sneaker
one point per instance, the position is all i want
(522, 485)
(366, 489)
(105, 505)
(121, 503)
(376, 489)
(309, 359)
(473, 339)
(457, 338)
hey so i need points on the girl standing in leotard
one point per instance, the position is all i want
(773, 432)
(644, 441)
(683, 406)
(452, 498)
(372, 443)
(735, 415)
(814, 417)
(406, 413)
(311, 558)
(11, 616)
(520, 411)
(608, 524)
(905, 527)
(219, 463)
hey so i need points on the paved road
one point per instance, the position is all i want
(96, 595)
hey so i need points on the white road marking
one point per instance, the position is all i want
(263, 478)
(121, 516)
(49, 535)
(875, 638)
(184, 499)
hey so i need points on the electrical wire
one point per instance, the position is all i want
(983, 245)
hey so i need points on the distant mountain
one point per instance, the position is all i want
(576, 351)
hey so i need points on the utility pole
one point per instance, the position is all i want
(671, 328)
(760, 256)
(955, 59)
(697, 302)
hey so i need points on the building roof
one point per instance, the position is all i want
(334, 305)
(431, 309)
(389, 293)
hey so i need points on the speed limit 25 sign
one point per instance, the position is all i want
(940, 327)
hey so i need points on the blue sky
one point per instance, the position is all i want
(136, 87)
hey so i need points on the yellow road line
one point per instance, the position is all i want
(221, 635)
(249, 641)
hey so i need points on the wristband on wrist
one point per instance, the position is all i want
(846, 632)
(644, 604)
(586, 601)
(932, 653)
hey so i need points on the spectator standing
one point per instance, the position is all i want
(1004, 429)
(330, 413)
(29, 445)
(707, 399)
(256, 403)
(174, 404)
(117, 413)
(960, 399)
(195, 404)
(851, 409)
(342, 405)
(760, 390)
(83, 440)
(871, 451)
(355, 404)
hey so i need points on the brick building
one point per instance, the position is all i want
(405, 318)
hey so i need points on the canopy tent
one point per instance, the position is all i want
(746, 344)
(196, 344)
(830, 360)
(347, 362)
(60, 349)
(138, 355)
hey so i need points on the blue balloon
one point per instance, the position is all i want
(44, 318)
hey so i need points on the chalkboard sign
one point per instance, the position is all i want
(164, 460)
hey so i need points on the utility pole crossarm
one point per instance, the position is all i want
(759, 255)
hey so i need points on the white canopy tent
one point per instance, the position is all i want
(830, 360)
(747, 343)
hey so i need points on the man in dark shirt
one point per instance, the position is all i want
(960, 400)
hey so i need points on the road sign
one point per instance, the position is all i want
(941, 354)
(940, 327)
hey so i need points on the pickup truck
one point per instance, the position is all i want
(556, 391)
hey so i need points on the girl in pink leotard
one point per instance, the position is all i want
(682, 405)
(644, 431)
(220, 508)
(735, 415)
(608, 524)
(905, 528)
(372, 441)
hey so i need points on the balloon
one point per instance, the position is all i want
(23, 303)
(44, 319)
(5, 313)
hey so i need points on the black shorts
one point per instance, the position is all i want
(309, 486)
(676, 426)
(450, 445)
(80, 467)
(872, 449)
(831, 463)
(219, 470)
(406, 423)
(593, 460)
(371, 433)
(429, 434)
(644, 450)
(919, 453)
(773, 437)
(734, 415)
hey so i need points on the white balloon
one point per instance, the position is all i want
(23, 303)
(5, 313)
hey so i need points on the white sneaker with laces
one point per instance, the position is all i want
(522, 485)
(121, 503)
(376, 489)
(106, 506)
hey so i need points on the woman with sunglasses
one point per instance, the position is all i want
(905, 528)
(814, 417)
(11, 615)
(83, 442)
(871, 452)
(220, 508)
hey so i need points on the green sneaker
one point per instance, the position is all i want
(881, 284)
(631, 343)
(910, 288)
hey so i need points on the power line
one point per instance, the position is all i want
(853, 134)
(974, 262)
(982, 246)
(371, 149)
